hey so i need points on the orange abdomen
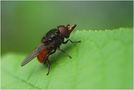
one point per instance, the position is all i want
(42, 55)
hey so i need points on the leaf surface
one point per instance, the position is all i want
(103, 59)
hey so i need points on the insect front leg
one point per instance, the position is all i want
(65, 53)
(71, 41)
(74, 41)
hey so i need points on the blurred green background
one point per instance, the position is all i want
(25, 22)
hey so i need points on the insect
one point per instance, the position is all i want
(50, 43)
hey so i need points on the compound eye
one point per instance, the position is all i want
(63, 30)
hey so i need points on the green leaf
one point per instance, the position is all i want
(103, 59)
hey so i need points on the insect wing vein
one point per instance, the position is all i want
(33, 54)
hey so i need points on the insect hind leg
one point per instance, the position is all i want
(50, 53)
(49, 66)
(48, 62)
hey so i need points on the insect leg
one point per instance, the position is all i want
(54, 50)
(74, 41)
(48, 63)
(65, 42)
(47, 60)
(50, 54)
(65, 53)
(71, 41)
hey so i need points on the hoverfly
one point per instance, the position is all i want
(50, 43)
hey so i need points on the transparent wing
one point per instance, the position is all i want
(33, 54)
